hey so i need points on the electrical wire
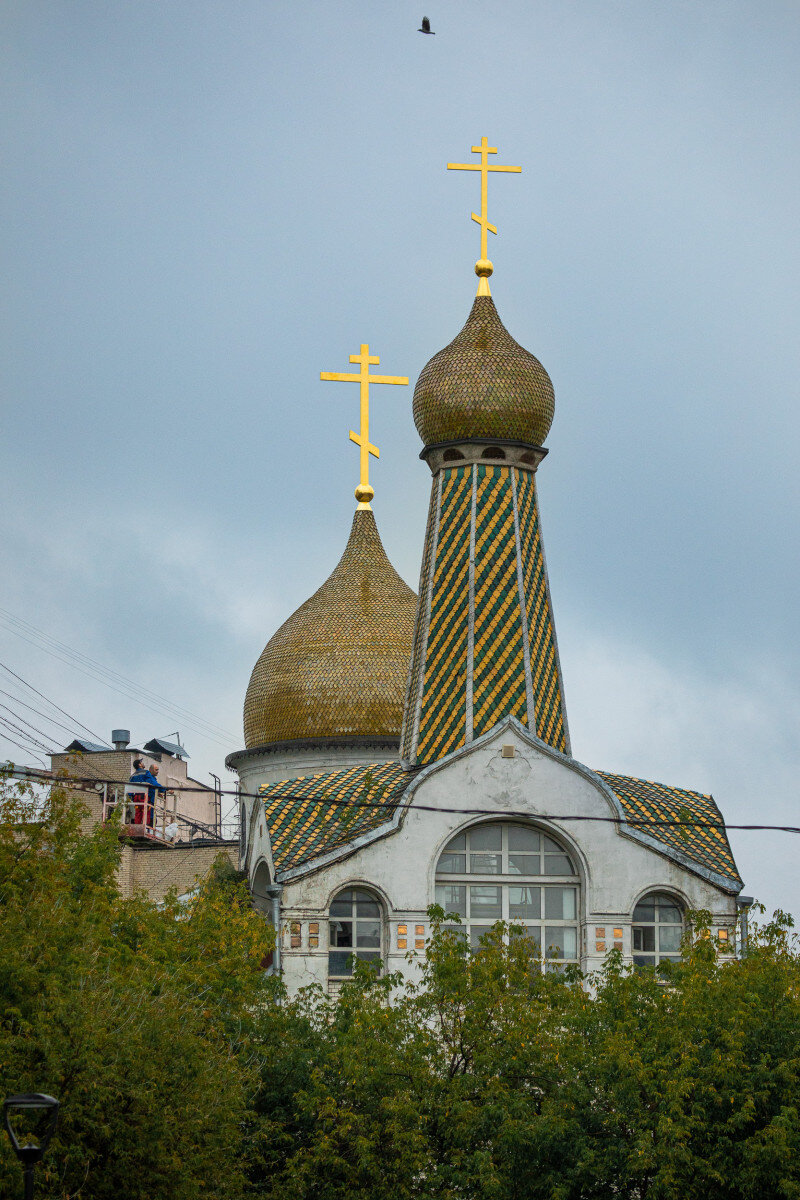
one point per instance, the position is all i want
(111, 678)
(42, 696)
(70, 729)
(35, 728)
(671, 823)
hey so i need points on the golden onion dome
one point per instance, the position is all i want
(338, 667)
(484, 386)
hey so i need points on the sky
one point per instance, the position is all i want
(206, 204)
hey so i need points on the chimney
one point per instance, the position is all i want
(121, 738)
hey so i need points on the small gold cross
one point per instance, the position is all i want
(483, 268)
(364, 492)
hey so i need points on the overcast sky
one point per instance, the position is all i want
(205, 204)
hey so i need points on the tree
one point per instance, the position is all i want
(136, 1016)
(487, 1080)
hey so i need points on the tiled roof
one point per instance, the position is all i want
(338, 667)
(483, 385)
(484, 643)
(645, 801)
(319, 813)
(316, 814)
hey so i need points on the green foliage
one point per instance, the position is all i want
(487, 1080)
(135, 1016)
(183, 1073)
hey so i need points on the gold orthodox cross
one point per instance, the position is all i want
(483, 268)
(364, 492)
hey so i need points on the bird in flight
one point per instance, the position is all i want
(426, 27)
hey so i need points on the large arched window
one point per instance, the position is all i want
(657, 930)
(355, 931)
(504, 871)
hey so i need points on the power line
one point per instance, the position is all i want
(70, 729)
(24, 734)
(387, 807)
(111, 678)
(42, 696)
(35, 728)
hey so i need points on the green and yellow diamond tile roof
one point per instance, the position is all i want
(545, 673)
(706, 842)
(443, 705)
(484, 642)
(313, 815)
(316, 814)
(499, 652)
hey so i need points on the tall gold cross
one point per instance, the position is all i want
(364, 492)
(483, 268)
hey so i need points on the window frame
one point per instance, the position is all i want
(505, 875)
(370, 953)
(641, 957)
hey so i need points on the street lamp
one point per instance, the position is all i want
(44, 1110)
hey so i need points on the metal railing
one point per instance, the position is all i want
(146, 812)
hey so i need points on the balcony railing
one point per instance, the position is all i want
(142, 815)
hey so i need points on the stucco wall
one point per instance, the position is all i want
(615, 871)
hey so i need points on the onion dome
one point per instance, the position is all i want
(484, 386)
(338, 667)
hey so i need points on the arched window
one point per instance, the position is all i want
(355, 931)
(504, 871)
(657, 930)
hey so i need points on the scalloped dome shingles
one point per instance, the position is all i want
(483, 386)
(338, 666)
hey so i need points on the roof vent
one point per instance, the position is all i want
(121, 738)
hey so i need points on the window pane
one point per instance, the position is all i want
(557, 864)
(485, 864)
(338, 962)
(522, 838)
(368, 933)
(452, 897)
(485, 901)
(524, 902)
(523, 864)
(550, 846)
(533, 934)
(369, 955)
(559, 903)
(452, 864)
(643, 960)
(486, 837)
(342, 905)
(561, 941)
(459, 842)
(366, 906)
(645, 910)
(476, 932)
(341, 933)
(669, 938)
(668, 913)
(644, 938)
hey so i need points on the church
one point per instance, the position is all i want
(403, 750)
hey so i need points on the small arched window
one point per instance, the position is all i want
(355, 931)
(504, 871)
(657, 930)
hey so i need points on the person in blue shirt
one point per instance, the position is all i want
(142, 775)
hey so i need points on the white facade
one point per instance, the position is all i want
(507, 775)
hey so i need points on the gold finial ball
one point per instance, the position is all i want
(483, 268)
(364, 493)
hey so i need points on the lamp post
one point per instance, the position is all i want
(45, 1111)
